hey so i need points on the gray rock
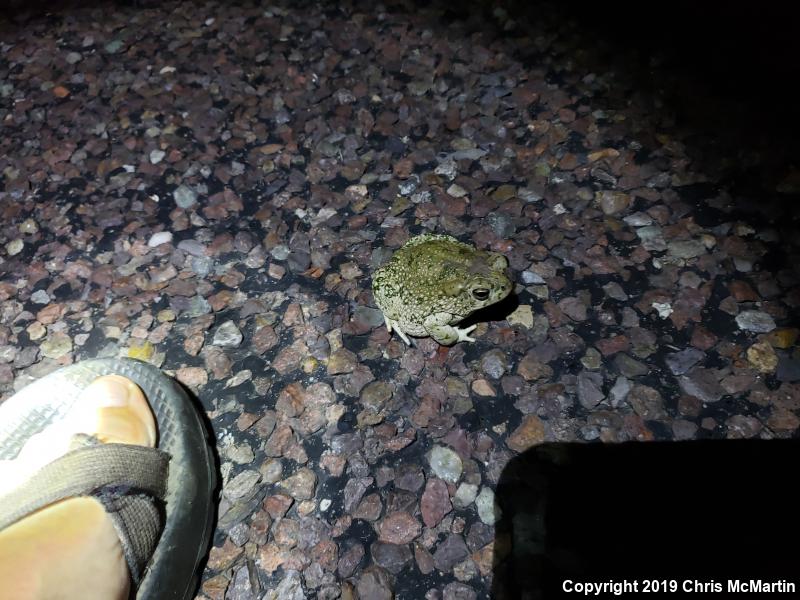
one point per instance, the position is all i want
(638, 219)
(494, 363)
(682, 361)
(702, 384)
(354, 490)
(114, 46)
(192, 247)
(392, 557)
(529, 195)
(26, 357)
(684, 430)
(530, 278)
(458, 591)
(409, 477)
(240, 587)
(449, 552)
(647, 402)
(629, 367)
(742, 426)
(350, 559)
(501, 224)
(589, 392)
(615, 291)
(185, 197)
(290, 588)
(652, 238)
(40, 297)
(202, 265)
(488, 510)
(755, 320)
(375, 583)
(301, 485)
(299, 261)
(592, 359)
(241, 485)
(445, 464)
(465, 495)
(619, 392)
(198, 306)
(227, 335)
(156, 156)
(346, 444)
(686, 248)
(788, 369)
(371, 316)
(479, 535)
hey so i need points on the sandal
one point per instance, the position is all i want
(160, 500)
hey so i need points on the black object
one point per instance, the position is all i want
(681, 514)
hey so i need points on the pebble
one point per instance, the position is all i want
(458, 591)
(450, 552)
(619, 392)
(435, 503)
(185, 197)
(590, 393)
(756, 321)
(529, 433)
(703, 384)
(445, 464)
(686, 248)
(488, 511)
(788, 369)
(56, 345)
(40, 297)
(375, 584)
(522, 315)
(350, 559)
(392, 557)
(228, 335)
(289, 588)
(682, 361)
(162, 237)
(465, 495)
(241, 485)
(354, 490)
(29, 226)
(399, 528)
(113, 46)
(762, 356)
(14, 247)
(612, 202)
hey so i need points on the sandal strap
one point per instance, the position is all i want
(127, 479)
(138, 521)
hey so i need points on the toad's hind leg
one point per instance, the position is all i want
(393, 325)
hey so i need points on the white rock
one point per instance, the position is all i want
(488, 511)
(162, 237)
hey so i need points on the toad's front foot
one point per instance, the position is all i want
(463, 334)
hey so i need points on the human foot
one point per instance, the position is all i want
(71, 549)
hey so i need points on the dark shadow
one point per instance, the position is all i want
(705, 511)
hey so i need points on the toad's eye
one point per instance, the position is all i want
(480, 293)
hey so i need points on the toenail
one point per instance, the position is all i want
(112, 391)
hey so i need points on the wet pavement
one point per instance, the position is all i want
(208, 187)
